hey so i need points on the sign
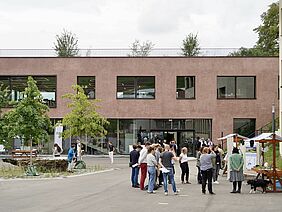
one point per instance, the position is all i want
(58, 135)
(251, 160)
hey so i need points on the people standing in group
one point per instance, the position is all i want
(142, 161)
(111, 149)
(236, 170)
(151, 167)
(183, 160)
(198, 164)
(160, 174)
(157, 154)
(174, 146)
(209, 142)
(71, 155)
(166, 162)
(206, 169)
(217, 164)
(134, 156)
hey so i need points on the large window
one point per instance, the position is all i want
(47, 86)
(236, 87)
(135, 87)
(185, 87)
(244, 126)
(88, 85)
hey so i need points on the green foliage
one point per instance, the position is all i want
(83, 118)
(66, 44)
(269, 156)
(249, 52)
(28, 120)
(141, 50)
(4, 102)
(4, 98)
(268, 31)
(268, 35)
(190, 45)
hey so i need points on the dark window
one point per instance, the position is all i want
(236, 87)
(47, 85)
(185, 87)
(88, 85)
(135, 87)
(244, 126)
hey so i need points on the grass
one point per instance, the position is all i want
(8, 172)
(12, 172)
(269, 156)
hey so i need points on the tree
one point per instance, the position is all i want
(29, 120)
(4, 98)
(248, 52)
(190, 45)
(268, 31)
(83, 118)
(4, 102)
(66, 44)
(141, 50)
(268, 35)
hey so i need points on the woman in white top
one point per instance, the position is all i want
(183, 159)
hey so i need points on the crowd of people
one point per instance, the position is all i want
(158, 163)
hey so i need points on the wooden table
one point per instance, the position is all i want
(269, 173)
(23, 153)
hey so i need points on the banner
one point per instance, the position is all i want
(58, 136)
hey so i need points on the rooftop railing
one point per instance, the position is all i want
(117, 52)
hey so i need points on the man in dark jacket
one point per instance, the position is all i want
(134, 156)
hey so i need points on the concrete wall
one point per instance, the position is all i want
(165, 105)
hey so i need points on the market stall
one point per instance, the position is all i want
(270, 172)
(234, 140)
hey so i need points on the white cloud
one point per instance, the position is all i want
(112, 24)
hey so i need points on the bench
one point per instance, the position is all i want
(23, 153)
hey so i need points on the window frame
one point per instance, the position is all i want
(83, 88)
(235, 88)
(56, 80)
(135, 88)
(234, 119)
(194, 89)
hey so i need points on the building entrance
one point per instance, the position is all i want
(183, 138)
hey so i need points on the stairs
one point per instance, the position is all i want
(94, 149)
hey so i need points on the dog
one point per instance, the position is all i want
(258, 183)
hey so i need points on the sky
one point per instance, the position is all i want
(33, 24)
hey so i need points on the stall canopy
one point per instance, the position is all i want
(232, 136)
(265, 136)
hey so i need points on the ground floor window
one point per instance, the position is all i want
(125, 132)
(244, 126)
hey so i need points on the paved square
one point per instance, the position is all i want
(111, 191)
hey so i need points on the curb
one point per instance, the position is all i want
(57, 178)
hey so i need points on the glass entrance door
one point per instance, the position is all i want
(183, 138)
(186, 139)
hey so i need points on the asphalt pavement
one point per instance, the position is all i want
(110, 191)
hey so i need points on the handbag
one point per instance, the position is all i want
(130, 164)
